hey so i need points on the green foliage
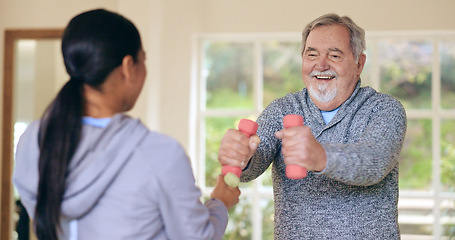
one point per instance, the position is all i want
(448, 76)
(448, 155)
(282, 70)
(268, 221)
(239, 226)
(228, 98)
(406, 72)
(229, 69)
(416, 157)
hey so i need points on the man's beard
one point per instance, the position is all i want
(322, 94)
(321, 91)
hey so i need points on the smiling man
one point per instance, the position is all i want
(350, 144)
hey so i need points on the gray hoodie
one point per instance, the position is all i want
(124, 182)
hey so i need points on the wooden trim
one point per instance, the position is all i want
(11, 36)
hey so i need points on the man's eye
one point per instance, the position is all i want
(336, 57)
(311, 55)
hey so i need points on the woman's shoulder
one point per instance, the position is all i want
(155, 146)
(151, 139)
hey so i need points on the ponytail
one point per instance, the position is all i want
(59, 136)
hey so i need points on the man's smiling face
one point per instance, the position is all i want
(329, 68)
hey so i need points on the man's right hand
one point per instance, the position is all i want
(236, 149)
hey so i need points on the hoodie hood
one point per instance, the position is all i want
(101, 154)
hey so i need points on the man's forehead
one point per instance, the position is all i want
(340, 30)
(332, 49)
(331, 37)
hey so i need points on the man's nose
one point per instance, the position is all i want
(322, 64)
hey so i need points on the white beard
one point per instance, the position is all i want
(322, 93)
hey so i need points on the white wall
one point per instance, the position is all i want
(167, 28)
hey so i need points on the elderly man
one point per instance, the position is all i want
(350, 144)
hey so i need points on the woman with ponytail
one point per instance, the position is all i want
(86, 170)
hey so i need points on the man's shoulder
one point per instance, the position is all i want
(379, 100)
(373, 95)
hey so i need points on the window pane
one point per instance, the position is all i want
(268, 218)
(215, 128)
(282, 69)
(267, 177)
(239, 226)
(415, 217)
(416, 157)
(447, 51)
(448, 155)
(448, 218)
(367, 74)
(405, 71)
(228, 68)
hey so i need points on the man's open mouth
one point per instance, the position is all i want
(325, 77)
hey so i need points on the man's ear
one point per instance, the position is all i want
(361, 63)
(127, 67)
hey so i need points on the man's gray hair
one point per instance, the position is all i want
(357, 42)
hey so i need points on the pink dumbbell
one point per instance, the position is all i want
(294, 171)
(232, 174)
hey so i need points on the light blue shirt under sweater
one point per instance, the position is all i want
(328, 115)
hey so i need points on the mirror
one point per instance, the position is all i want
(33, 73)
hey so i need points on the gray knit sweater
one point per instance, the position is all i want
(356, 195)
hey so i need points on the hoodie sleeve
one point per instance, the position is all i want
(183, 214)
(25, 174)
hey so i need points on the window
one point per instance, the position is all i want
(237, 75)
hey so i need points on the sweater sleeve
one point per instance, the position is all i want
(269, 122)
(183, 214)
(369, 159)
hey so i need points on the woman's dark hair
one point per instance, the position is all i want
(93, 44)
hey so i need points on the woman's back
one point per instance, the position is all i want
(125, 182)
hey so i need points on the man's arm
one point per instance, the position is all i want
(375, 154)
(269, 122)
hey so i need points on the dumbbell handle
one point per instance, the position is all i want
(248, 128)
(294, 171)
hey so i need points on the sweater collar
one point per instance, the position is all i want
(344, 108)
